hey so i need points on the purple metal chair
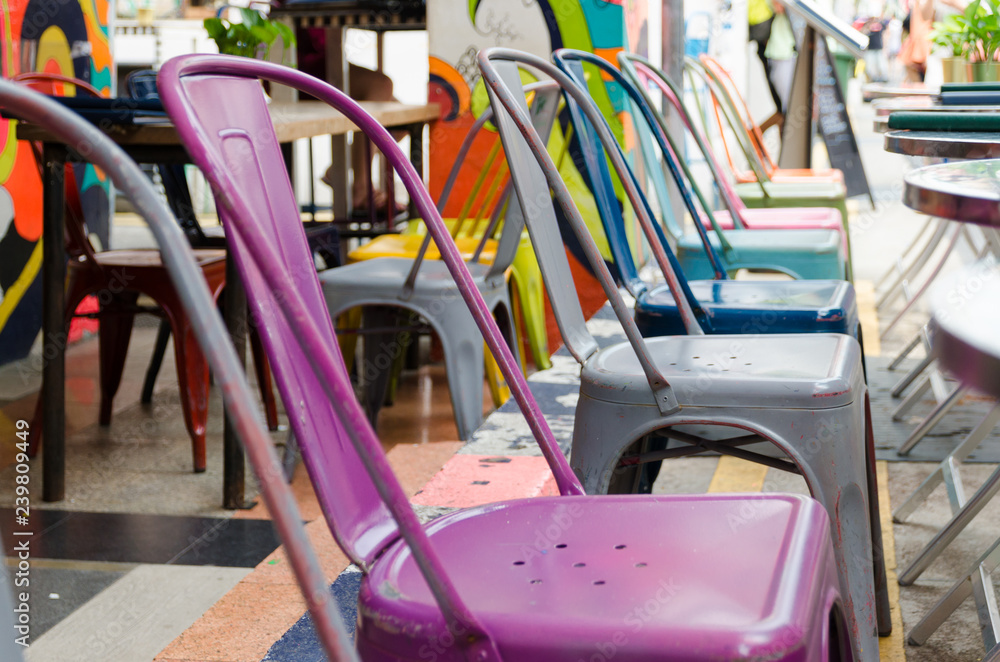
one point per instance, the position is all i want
(553, 578)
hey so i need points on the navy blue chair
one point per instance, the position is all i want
(722, 305)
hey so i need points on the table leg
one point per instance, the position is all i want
(53, 391)
(416, 132)
(235, 311)
(336, 75)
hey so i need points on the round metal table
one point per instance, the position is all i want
(944, 144)
(966, 309)
(874, 91)
(967, 191)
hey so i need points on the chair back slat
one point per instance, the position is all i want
(234, 116)
(535, 207)
(641, 71)
(644, 124)
(679, 171)
(720, 98)
(532, 184)
(595, 168)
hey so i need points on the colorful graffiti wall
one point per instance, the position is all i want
(458, 29)
(68, 37)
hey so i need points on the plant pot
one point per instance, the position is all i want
(954, 70)
(145, 16)
(984, 72)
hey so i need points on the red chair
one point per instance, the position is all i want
(117, 278)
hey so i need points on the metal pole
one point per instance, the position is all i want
(672, 63)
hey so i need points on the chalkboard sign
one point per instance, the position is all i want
(835, 125)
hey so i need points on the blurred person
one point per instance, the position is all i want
(760, 17)
(875, 65)
(917, 46)
(892, 42)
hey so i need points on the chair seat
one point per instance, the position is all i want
(384, 276)
(780, 371)
(742, 306)
(407, 245)
(547, 588)
(782, 218)
(797, 175)
(803, 193)
(813, 254)
(150, 258)
(807, 174)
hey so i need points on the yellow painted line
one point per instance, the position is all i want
(15, 292)
(733, 474)
(891, 648)
(737, 475)
(868, 316)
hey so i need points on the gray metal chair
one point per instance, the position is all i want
(426, 288)
(804, 394)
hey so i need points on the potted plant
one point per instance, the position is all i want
(982, 38)
(949, 34)
(252, 37)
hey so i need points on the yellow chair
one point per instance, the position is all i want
(524, 277)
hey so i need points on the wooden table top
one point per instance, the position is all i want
(292, 121)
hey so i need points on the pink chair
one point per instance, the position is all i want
(554, 578)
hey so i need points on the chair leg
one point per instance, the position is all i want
(853, 535)
(193, 376)
(464, 363)
(874, 516)
(379, 351)
(155, 361)
(528, 285)
(263, 370)
(116, 331)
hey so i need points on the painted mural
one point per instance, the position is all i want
(458, 29)
(68, 37)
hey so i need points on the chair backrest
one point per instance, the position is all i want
(219, 109)
(190, 285)
(641, 72)
(544, 104)
(534, 173)
(647, 128)
(78, 243)
(721, 100)
(715, 68)
(47, 83)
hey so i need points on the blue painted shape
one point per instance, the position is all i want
(606, 22)
(301, 643)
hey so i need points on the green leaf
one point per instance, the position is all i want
(263, 33)
(251, 17)
(215, 28)
(286, 33)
